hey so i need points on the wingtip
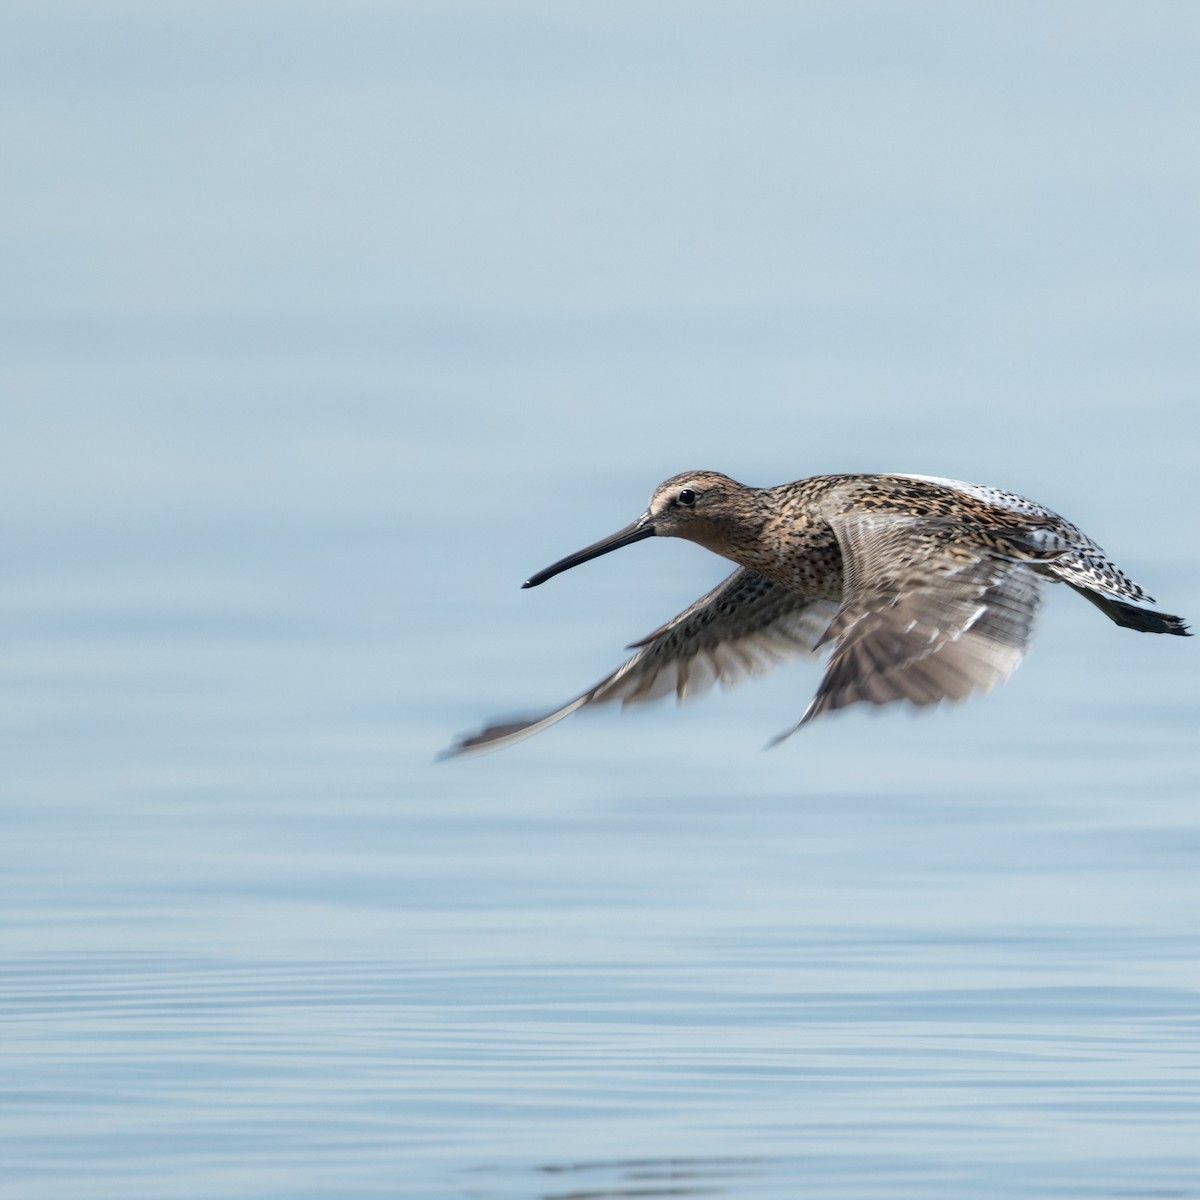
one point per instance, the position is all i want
(809, 713)
(469, 745)
(473, 745)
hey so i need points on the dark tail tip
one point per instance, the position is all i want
(1145, 620)
(1129, 616)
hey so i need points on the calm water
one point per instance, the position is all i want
(322, 328)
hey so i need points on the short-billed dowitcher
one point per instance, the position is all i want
(926, 588)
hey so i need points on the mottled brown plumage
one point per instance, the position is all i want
(926, 589)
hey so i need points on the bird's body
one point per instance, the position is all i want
(927, 589)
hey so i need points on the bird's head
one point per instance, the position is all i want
(697, 505)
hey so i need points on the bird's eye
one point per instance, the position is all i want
(686, 497)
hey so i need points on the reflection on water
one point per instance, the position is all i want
(648, 1177)
(973, 1013)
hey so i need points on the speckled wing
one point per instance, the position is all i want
(926, 616)
(743, 627)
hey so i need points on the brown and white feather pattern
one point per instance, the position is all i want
(925, 616)
(1081, 561)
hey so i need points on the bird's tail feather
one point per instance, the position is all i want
(1144, 620)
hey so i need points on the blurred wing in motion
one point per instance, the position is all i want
(744, 626)
(926, 616)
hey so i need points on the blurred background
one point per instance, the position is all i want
(321, 327)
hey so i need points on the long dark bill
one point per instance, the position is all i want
(641, 528)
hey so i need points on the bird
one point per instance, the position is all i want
(923, 590)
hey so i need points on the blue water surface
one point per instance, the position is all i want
(321, 327)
